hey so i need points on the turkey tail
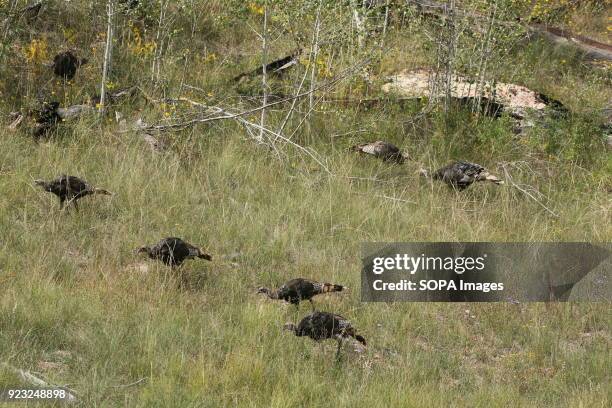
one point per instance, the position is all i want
(494, 179)
(101, 191)
(360, 339)
(356, 148)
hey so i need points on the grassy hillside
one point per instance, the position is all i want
(79, 308)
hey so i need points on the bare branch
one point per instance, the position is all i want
(183, 125)
(525, 191)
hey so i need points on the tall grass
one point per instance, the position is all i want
(77, 305)
(203, 337)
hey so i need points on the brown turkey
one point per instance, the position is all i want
(65, 64)
(173, 251)
(462, 174)
(296, 290)
(46, 118)
(31, 12)
(323, 325)
(70, 188)
(383, 150)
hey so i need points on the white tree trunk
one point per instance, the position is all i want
(451, 45)
(159, 40)
(264, 80)
(313, 60)
(107, 54)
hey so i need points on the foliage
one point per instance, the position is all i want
(79, 307)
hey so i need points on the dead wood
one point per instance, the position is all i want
(276, 67)
(592, 49)
(17, 119)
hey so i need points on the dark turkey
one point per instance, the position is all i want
(46, 118)
(461, 174)
(130, 4)
(323, 325)
(70, 188)
(173, 251)
(65, 64)
(383, 150)
(300, 289)
(30, 13)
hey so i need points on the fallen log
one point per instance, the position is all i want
(591, 49)
(115, 97)
(47, 118)
(74, 111)
(277, 67)
(50, 114)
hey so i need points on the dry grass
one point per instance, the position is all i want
(79, 307)
(203, 337)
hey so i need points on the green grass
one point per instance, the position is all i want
(204, 338)
(78, 307)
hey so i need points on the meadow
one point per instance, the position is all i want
(80, 309)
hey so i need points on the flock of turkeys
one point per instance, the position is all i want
(174, 251)
(458, 174)
(317, 325)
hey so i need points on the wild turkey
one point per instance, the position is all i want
(381, 149)
(46, 118)
(31, 12)
(70, 188)
(300, 289)
(461, 174)
(173, 251)
(323, 325)
(65, 64)
(130, 4)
